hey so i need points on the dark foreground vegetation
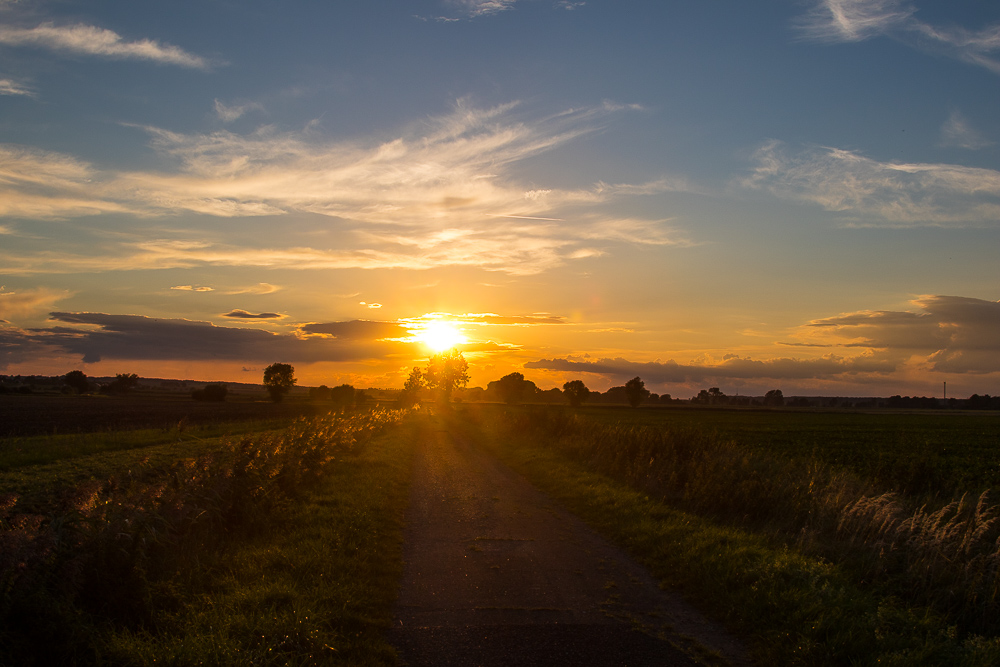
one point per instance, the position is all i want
(815, 562)
(823, 538)
(269, 549)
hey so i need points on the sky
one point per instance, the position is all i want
(799, 194)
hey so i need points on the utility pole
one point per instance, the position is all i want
(946, 391)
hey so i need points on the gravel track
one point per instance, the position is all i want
(496, 573)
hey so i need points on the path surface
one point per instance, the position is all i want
(497, 574)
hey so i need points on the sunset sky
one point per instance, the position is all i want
(794, 194)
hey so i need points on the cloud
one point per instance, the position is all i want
(97, 336)
(732, 367)
(11, 87)
(957, 132)
(192, 288)
(443, 194)
(869, 192)
(495, 319)
(474, 8)
(949, 333)
(44, 185)
(371, 306)
(259, 288)
(358, 329)
(94, 41)
(244, 315)
(230, 113)
(834, 21)
(27, 302)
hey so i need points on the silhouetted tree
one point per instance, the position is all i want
(410, 395)
(446, 371)
(636, 391)
(77, 381)
(215, 393)
(278, 380)
(510, 388)
(320, 393)
(576, 392)
(342, 396)
(774, 397)
(123, 383)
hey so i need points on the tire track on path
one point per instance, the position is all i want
(496, 573)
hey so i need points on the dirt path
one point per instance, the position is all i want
(497, 574)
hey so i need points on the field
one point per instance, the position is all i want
(243, 534)
(915, 452)
(23, 415)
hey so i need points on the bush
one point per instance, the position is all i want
(211, 392)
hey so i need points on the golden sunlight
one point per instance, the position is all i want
(440, 336)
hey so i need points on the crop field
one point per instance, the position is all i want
(23, 415)
(915, 452)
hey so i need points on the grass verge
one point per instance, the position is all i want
(793, 609)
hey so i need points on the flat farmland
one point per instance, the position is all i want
(915, 452)
(25, 415)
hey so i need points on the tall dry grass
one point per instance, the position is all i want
(947, 556)
(102, 548)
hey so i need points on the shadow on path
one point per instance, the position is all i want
(497, 574)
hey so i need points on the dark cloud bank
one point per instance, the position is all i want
(136, 337)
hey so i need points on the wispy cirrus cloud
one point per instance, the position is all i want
(259, 288)
(228, 114)
(14, 303)
(445, 193)
(869, 192)
(39, 184)
(481, 7)
(93, 41)
(957, 132)
(11, 87)
(856, 20)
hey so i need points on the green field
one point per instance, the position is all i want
(272, 542)
(914, 452)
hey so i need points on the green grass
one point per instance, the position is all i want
(316, 587)
(793, 609)
(279, 548)
(17, 452)
(61, 467)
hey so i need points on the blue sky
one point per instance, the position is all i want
(803, 195)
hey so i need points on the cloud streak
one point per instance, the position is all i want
(444, 193)
(833, 21)
(93, 41)
(731, 367)
(98, 336)
(957, 132)
(11, 87)
(869, 192)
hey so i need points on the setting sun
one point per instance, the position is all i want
(440, 336)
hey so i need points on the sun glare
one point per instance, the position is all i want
(440, 336)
